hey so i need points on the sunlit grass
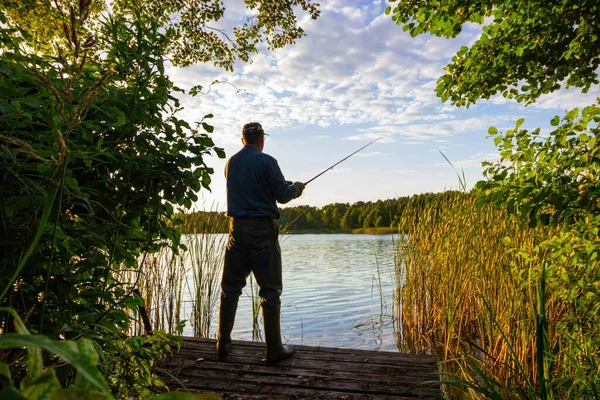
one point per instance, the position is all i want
(461, 295)
(184, 287)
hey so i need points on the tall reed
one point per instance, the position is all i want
(183, 287)
(255, 300)
(464, 293)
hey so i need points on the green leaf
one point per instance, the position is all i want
(50, 197)
(555, 121)
(208, 128)
(42, 386)
(492, 130)
(481, 199)
(118, 115)
(19, 325)
(35, 362)
(583, 137)
(519, 51)
(592, 143)
(80, 354)
(519, 122)
(5, 373)
(220, 152)
(23, 202)
(571, 115)
(9, 392)
(195, 90)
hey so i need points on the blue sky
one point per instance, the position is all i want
(356, 76)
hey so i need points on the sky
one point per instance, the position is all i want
(354, 77)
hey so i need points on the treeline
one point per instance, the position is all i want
(330, 218)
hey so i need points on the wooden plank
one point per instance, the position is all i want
(195, 377)
(239, 391)
(313, 373)
(298, 366)
(301, 360)
(320, 353)
(329, 379)
(191, 341)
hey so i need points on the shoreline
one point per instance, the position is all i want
(357, 231)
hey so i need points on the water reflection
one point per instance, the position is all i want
(337, 292)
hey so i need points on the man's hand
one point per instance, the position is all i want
(300, 186)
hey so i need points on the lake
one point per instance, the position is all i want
(337, 292)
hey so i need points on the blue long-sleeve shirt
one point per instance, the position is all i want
(255, 184)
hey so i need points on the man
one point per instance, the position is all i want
(254, 186)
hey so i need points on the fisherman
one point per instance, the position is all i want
(254, 186)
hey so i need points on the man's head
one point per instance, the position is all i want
(253, 133)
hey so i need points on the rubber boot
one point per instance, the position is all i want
(227, 311)
(276, 351)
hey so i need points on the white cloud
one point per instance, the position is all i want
(425, 131)
(568, 98)
(373, 154)
(358, 76)
(361, 68)
(472, 162)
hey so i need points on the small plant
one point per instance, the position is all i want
(510, 311)
(41, 382)
(132, 375)
(131, 365)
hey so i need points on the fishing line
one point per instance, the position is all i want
(342, 160)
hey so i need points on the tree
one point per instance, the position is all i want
(347, 221)
(187, 25)
(527, 48)
(94, 161)
(548, 180)
(335, 218)
(325, 216)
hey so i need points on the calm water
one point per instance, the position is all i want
(331, 292)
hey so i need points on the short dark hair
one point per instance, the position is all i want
(252, 131)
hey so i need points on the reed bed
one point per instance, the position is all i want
(468, 297)
(182, 288)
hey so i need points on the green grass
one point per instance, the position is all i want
(466, 297)
(169, 283)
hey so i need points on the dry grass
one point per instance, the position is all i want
(184, 287)
(461, 287)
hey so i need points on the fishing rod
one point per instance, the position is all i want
(284, 230)
(342, 160)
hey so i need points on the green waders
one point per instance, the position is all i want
(253, 246)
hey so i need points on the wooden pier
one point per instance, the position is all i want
(313, 373)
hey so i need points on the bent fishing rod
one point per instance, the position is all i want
(284, 230)
(342, 160)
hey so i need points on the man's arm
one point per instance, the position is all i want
(281, 189)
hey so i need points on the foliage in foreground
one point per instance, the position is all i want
(94, 161)
(41, 382)
(510, 311)
(502, 284)
(527, 48)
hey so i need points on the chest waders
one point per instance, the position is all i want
(253, 247)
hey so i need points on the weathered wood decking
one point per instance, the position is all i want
(313, 373)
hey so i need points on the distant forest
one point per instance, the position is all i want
(334, 217)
